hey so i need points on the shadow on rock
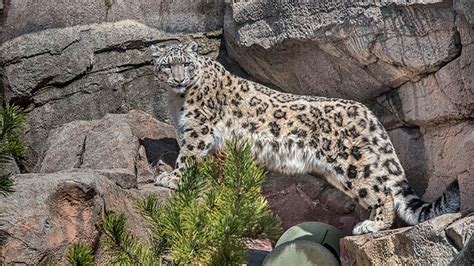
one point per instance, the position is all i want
(164, 149)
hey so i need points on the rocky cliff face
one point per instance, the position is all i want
(89, 167)
(80, 69)
(410, 62)
(84, 72)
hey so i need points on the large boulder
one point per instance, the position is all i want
(48, 213)
(130, 144)
(84, 72)
(428, 243)
(88, 167)
(349, 49)
(444, 96)
(449, 150)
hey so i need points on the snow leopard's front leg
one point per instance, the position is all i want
(194, 146)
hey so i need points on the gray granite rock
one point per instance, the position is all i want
(425, 243)
(83, 73)
(117, 145)
(21, 17)
(347, 49)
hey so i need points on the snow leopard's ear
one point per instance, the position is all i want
(192, 47)
(157, 52)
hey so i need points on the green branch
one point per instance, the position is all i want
(80, 255)
(205, 222)
(11, 144)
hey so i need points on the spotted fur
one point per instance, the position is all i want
(291, 134)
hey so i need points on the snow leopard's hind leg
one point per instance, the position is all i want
(381, 217)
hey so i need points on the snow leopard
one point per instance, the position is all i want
(291, 134)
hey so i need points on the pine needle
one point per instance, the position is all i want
(218, 204)
(80, 255)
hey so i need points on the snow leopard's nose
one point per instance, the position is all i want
(178, 74)
(179, 79)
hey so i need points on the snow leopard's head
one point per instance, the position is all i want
(177, 65)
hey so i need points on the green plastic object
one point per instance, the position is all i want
(300, 253)
(321, 233)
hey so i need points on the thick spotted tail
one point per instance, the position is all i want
(413, 210)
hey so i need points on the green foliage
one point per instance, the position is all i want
(11, 120)
(6, 184)
(11, 145)
(215, 208)
(80, 255)
(125, 248)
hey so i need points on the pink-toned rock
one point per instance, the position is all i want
(297, 199)
(48, 213)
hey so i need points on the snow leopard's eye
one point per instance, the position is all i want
(166, 66)
(188, 64)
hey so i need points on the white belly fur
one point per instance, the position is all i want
(285, 160)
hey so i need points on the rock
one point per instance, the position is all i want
(10, 167)
(48, 213)
(461, 231)
(297, 199)
(409, 145)
(361, 50)
(356, 50)
(117, 145)
(449, 150)
(145, 173)
(465, 20)
(31, 16)
(88, 167)
(194, 16)
(425, 243)
(435, 156)
(466, 255)
(83, 73)
(441, 97)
